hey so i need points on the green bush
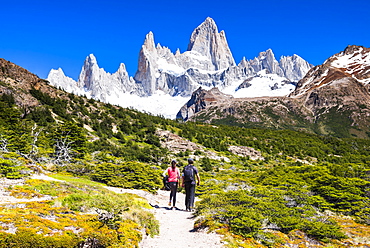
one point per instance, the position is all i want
(133, 175)
(27, 238)
(12, 169)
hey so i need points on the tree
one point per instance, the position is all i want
(70, 141)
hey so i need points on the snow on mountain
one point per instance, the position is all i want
(59, 79)
(164, 79)
(355, 60)
(351, 64)
(262, 84)
(159, 103)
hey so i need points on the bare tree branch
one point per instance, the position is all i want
(63, 150)
(3, 144)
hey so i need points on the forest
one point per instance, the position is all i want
(305, 186)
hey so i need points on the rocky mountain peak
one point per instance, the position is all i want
(294, 67)
(205, 29)
(266, 60)
(91, 59)
(354, 60)
(208, 42)
(64, 82)
(89, 71)
(149, 44)
(147, 66)
(351, 49)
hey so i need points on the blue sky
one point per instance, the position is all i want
(41, 35)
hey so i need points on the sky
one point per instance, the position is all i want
(42, 35)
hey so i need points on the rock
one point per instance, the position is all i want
(245, 151)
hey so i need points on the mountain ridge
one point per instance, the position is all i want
(207, 63)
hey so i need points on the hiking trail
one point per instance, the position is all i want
(176, 226)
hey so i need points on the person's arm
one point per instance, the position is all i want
(182, 179)
(198, 179)
(197, 175)
(178, 175)
(165, 173)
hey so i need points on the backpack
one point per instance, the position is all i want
(166, 185)
(188, 173)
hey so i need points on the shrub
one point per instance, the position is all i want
(133, 175)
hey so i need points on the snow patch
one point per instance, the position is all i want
(263, 84)
(173, 69)
(157, 104)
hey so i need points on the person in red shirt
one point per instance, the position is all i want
(173, 179)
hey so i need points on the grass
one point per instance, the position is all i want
(79, 180)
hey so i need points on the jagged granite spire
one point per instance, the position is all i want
(147, 66)
(207, 41)
(266, 60)
(294, 67)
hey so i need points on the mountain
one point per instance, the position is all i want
(94, 81)
(333, 98)
(207, 63)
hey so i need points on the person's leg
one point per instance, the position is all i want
(187, 195)
(174, 191)
(171, 195)
(191, 196)
(173, 188)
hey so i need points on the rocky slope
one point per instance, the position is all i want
(333, 98)
(17, 81)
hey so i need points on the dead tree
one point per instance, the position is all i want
(63, 150)
(3, 144)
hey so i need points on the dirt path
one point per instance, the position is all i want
(176, 226)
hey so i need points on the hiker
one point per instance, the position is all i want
(188, 181)
(173, 178)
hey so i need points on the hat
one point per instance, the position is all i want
(190, 160)
(173, 161)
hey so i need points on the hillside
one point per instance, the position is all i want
(260, 187)
(332, 99)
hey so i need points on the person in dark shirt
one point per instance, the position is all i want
(189, 174)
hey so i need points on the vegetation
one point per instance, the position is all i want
(303, 186)
(77, 215)
(286, 198)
